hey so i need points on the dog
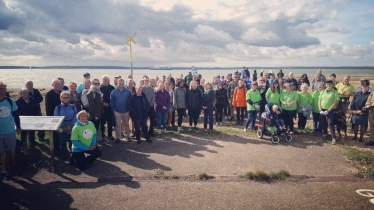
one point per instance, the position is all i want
(341, 123)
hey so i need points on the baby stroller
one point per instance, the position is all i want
(267, 127)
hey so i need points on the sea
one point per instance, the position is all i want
(16, 78)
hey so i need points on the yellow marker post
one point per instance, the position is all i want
(129, 40)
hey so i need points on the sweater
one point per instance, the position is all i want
(119, 99)
(162, 98)
(83, 136)
(150, 94)
(179, 99)
(69, 112)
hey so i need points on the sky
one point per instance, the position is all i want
(181, 33)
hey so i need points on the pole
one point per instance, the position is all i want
(132, 77)
(51, 147)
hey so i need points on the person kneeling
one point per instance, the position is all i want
(83, 140)
(277, 116)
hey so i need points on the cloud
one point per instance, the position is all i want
(321, 28)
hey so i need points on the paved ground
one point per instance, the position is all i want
(102, 186)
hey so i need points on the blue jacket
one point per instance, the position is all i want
(138, 107)
(70, 113)
(359, 101)
(119, 99)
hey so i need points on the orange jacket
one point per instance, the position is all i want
(239, 98)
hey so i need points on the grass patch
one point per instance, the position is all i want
(204, 176)
(264, 177)
(364, 158)
(174, 176)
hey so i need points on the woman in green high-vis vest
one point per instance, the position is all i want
(288, 101)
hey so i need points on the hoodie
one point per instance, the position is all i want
(83, 136)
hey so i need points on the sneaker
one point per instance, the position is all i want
(190, 129)
(179, 129)
(211, 130)
(204, 129)
(132, 135)
(216, 123)
(219, 123)
(303, 131)
(299, 131)
(6, 175)
(245, 130)
(166, 131)
(225, 117)
(159, 131)
(333, 141)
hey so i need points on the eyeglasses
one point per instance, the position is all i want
(65, 97)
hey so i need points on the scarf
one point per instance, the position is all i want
(207, 91)
(97, 90)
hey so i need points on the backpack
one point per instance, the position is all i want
(84, 98)
(10, 103)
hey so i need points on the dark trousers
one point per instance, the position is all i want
(173, 118)
(328, 121)
(240, 111)
(41, 135)
(226, 108)
(302, 121)
(152, 119)
(96, 123)
(30, 135)
(81, 160)
(108, 119)
(64, 138)
(288, 118)
(251, 119)
(180, 112)
(317, 127)
(219, 112)
(208, 115)
(193, 115)
(143, 125)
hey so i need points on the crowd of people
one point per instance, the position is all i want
(93, 108)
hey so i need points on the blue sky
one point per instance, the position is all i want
(185, 33)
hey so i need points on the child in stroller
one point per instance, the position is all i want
(269, 124)
(276, 115)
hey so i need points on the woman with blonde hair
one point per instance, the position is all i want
(304, 105)
(162, 103)
(75, 97)
(194, 98)
(83, 138)
(208, 99)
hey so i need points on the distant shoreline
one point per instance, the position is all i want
(183, 68)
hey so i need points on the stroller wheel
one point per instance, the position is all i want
(275, 139)
(288, 138)
(260, 134)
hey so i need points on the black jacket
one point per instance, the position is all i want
(52, 99)
(194, 99)
(208, 100)
(106, 90)
(38, 98)
(221, 96)
(28, 109)
(138, 107)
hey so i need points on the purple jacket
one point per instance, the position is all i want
(162, 99)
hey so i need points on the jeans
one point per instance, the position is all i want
(143, 125)
(64, 137)
(279, 122)
(208, 115)
(302, 121)
(240, 111)
(82, 161)
(219, 112)
(180, 112)
(288, 118)
(317, 126)
(161, 119)
(108, 119)
(226, 109)
(328, 121)
(193, 115)
(251, 119)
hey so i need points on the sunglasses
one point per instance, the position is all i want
(96, 83)
(65, 97)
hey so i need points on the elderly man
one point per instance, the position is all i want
(291, 79)
(8, 118)
(360, 114)
(38, 98)
(106, 89)
(188, 78)
(52, 99)
(370, 106)
(63, 88)
(118, 102)
(148, 91)
(319, 73)
(345, 91)
(87, 86)
(81, 86)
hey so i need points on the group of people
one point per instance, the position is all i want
(92, 108)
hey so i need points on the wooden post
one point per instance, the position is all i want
(51, 147)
